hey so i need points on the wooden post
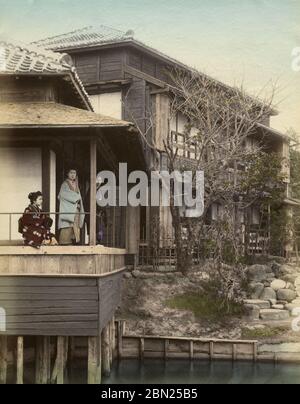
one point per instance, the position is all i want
(38, 360)
(167, 342)
(234, 352)
(3, 359)
(20, 360)
(60, 360)
(94, 360)
(46, 361)
(191, 350)
(211, 350)
(93, 190)
(120, 340)
(142, 348)
(106, 351)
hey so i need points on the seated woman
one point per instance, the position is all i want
(36, 226)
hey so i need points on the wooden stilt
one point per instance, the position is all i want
(120, 339)
(142, 348)
(60, 360)
(20, 360)
(38, 360)
(94, 360)
(111, 342)
(105, 351)
(3, 359)
(191, 350)
(46, 357)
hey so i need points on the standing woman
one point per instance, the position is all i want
(71, 210)
(34, 225)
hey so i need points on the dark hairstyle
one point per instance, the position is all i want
(34, 195)
(71, 169)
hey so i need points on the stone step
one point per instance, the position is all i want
(274, 315)
(262, 304)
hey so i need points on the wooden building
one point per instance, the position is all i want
(129, 80)
(47, 125)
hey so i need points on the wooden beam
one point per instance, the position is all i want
(106, 351)
(60, 360)
(46, 177)
(94, 360)
(3, 359)
(20, 360)
(93, 190)
(144, 76)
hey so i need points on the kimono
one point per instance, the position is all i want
(36, 227)
(71, 218)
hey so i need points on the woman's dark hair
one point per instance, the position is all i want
(34, 195)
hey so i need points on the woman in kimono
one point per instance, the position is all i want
(35, 225)
(71, 210)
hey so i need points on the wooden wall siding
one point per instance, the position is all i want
(60, 264)
(110, 297)
(99, 66)
(59, 306)
(12, 90)
(148, 65)
(135, 102)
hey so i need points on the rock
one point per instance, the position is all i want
(293, 309)
(274, 315)
(253, 312)
(286, 294)
(276, 268)
(290, 278)
(136, 273)
(268, 294)
(290, 286)
(288, 269)
(273, 302)
(256, 290)
(278, 307)
(257, 273)
(278, 284)
(262, 304)
(127, 275)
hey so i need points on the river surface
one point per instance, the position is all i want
(181, 372)
(177, 372)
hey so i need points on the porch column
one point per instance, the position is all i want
(93, 188)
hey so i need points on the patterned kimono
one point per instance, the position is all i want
(36, 227)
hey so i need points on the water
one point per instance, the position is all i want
(181, 372)
(186, 372)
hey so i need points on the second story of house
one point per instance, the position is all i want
(129, 80)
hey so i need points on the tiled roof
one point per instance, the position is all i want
(19, 58)
(87, 36)
(29, 114)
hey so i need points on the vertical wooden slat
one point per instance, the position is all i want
(20, 360)
(191, 350)
(142, 348)
(92, 360)
(105, 351)
(234, 352)
(60, 360)
(38, 360)
(93, 190)
(167, 342)
(255, 352)
(3, 359)
(120, 340)
(211, 350)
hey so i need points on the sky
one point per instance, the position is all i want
(247, 42)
